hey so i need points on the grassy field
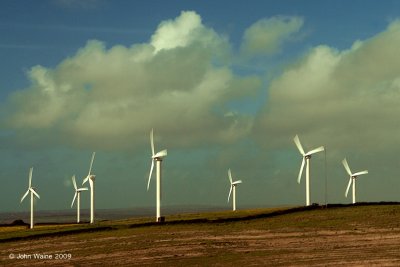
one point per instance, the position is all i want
(362, 235)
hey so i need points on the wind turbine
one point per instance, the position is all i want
(33, 192)
(90, 177)
(306, 160)
(353, 177)
(157, 157)
(233, 189)
(77, 196)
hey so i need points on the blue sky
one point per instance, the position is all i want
(225, 85)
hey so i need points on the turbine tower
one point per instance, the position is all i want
(306, 160)
(90, 177)
(353, 177)
(77, 196)
(157, 157)
(233, 189)
(33, 193)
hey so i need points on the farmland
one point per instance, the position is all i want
(296, 236)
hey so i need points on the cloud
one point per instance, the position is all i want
(182, 31)
(111, 98)
(267, 35)
(347, 100)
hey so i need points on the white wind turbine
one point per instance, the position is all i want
(33, 192)
(353, 177)
(90, 177)
(233, 189)
(306, 160)
(157, 157)
(77, 196)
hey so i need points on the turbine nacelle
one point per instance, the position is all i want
(30, 187)
(91, 177)
(31, 190)
(353, 176)
(160, 155)
(237, 182)
(154, 156)
(233, 183)
(77, 190)
(306, 156)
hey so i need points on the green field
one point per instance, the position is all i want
(350, 235)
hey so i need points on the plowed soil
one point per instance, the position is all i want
(349, 236)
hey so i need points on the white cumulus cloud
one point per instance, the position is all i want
(345, 99)
(267, 35)
(111, 97)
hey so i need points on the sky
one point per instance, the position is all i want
(224, 84)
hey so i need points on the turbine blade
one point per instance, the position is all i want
(237, 182)
(348, 187)
(360, 173)
(34, 192)
(73, 200)
(85, 180)
(91, 163)
(301, 170)
(24, 196)
(230, 192)
(230, 175)
(319, 149)
(30, 177)
(346, 166)
(160, 154)
(151, 171)
(74, 182)
(298, 144)
(152, 142)
(82, 189)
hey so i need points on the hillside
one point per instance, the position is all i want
(365, 234)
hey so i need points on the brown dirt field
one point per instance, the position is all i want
(258, 242)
